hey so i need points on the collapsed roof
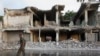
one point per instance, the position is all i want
(34, 10)
(89, 6)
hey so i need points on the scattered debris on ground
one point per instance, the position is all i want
(69, 44)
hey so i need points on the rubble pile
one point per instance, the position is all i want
(12, 45)
(62, 45)
(53, 45)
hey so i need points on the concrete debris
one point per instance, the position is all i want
(69, 44)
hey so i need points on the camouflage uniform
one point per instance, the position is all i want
(22, 47)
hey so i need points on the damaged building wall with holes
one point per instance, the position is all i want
(29, 21)
(48, 25)
(15, 21)
(88, 18)
(17, 18)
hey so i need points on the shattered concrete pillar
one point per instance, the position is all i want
(4, 37)
(31, 17)
(5, 18)
(86, 17)
(31, 36)
(0, 37)
(79, 37)
(57, 16)
(39, 35)
(86, 36)
(91, 34)
(44, 19)
(57, 36)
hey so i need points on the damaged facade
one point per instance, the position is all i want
(37, 25)
(42, 26)
(88, 19)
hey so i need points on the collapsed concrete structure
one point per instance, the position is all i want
(48, 25)
(88, 19)
(37, 25)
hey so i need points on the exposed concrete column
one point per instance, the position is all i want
(86, 17)
(31, 18)
(0, 37)
(97, 19)
(31, 36)
(45, 19)
(79, 37)
(86, 36)
(5, 18)
(4, 35)
(57, 36)
(39, 35)
(57, 16)
(91, 34)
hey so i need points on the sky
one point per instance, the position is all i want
(41, 4)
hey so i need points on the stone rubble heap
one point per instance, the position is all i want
(53, 45)
(62, 45)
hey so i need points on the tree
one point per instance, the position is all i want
(69, 15)
(1, 17)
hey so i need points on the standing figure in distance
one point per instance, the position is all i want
(22, 45)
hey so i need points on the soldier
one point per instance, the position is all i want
(22, 45)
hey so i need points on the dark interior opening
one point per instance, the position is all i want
(65, 32)
(82, 38)
(49, 33)
(98, 36)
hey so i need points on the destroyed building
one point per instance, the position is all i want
(87, 18)
(48, 25)
(37, 25)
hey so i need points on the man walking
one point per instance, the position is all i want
(22, 45)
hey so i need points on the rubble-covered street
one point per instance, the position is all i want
(63, 45)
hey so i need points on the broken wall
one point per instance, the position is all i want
(17, 17)
(17, 21)
(90, 37)
(13, 36)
